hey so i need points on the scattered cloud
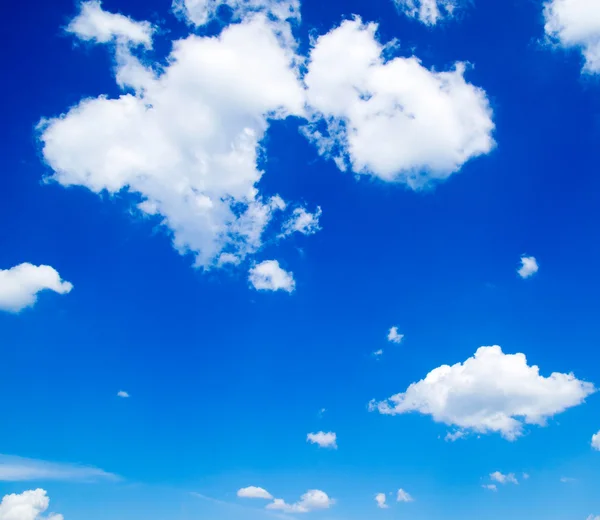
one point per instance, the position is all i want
(312, 500)
(504, 479)
(322, 412)
(303, 222)
(596, 441)
(20, 285)
(429, 12)
(454, 436)
(378, 353)
(122, 394)
(27, 506)
(268, 276)
(323, 440)
(19, 469)
(528, 267)
(254, 492)
(393, 335)
(393, 119)
(380, 501)
(491, 487)
(490, 392)
(575, 24)
(403, 496)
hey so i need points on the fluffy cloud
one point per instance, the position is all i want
(380, 501)
(312, 500)
(123, 394)
(489, 392)
(429, 12)
(504, 479)
(596, 441)
(20, 285)
(18, 469)
(268, 276)
(254, 492)
(303, 222)
(394, 119)
(529, 267)
(393, 335)
(323, 440)
(27, 506)
(454, 436)
(183, 139)
(95, 24)
(576, 24)
(403, 496)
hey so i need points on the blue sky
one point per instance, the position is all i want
(251, 252)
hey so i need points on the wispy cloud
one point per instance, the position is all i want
(19, 469)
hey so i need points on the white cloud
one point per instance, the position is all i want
(183, 139)
(301, 221)
(395, 119)
(429, 12)
(95, 24)
(596, 441)
(489, 392)
(567, 480)
(393, 335)
(27, 506)
(123, 394)
(20, 285)
(378, 353)
(380, 500)
(254, 492)
(525, 476)
(403, 496)
(504, 479)
(529, 266)
(268, 276)
(592, 517)
(323, 440)
(491, 487)
(576, 24)
(19, 469)
(312, 500)
(454, 436)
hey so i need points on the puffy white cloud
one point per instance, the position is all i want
(20, 285)
(27, 506)
(403, 496)
(302, 221)
(596, 441)
(489, 392)
(19, 469)
(393, 335)
(183, 139)
(123, 394)
(95, 24)
(504, 479)
(429, 12)
(254, 492)
(529, 267)
(312, 500)
(394, 119)
(323, 440)
(268, 276)
(491, 487)
(576, 24)
(380, 501)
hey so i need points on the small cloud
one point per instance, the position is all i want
(322, 412)
(323, 440)
(19, 469)
(268, 276)
(380, 500)
(454, 436)
(302, 222)
(504, 479)
(122, 394)
(403, 496)
(525, 476)
(528, 267)
(378, 353)
(312, 500)
(491, 487)
(596, 441)
(567, 480)
(393, 335)
(29, 505)
(254, 492)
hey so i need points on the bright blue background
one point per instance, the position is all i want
(225, 381)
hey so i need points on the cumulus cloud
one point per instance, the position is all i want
(430, 12)
(393, 335)
(20, 285)
(393, 119)
(268, 276)
(380, 501)
(301, 221)
(504, 479)
(19, 469)
(123, 394)
(491, 392)
(575, 24)
(529, 266)
(254, 492)
(27, 506)
(312, 500)
(95, 24)
(183, 140)
(323, 440)
(596, 441)
(403, 496)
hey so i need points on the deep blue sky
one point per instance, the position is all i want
(226, 381)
